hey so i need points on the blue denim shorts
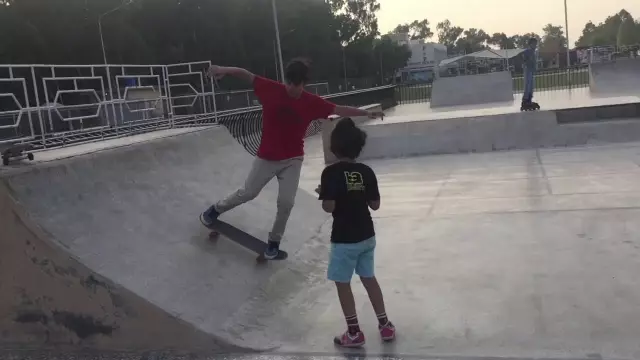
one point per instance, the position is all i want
(345, 259)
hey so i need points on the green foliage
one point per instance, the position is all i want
(553, 39)
(416, 30)
(448, 34)
(472, 41)
(227, 32)
(618, 29)
(628, 32)
(241, 33)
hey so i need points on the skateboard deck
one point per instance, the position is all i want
(16, 151)
(248, 241)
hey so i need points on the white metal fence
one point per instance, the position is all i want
(52, 104)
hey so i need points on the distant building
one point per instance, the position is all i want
(424, 57)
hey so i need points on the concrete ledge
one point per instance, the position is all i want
(599, 113)
(521, 130)
(472, 89)
(328, 126)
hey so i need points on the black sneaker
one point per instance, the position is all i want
(272, 251)
(209, 216)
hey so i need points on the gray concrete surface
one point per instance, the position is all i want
(47, 298)
(493, 87)
(131, 215)
(613, 78)
(520, 254)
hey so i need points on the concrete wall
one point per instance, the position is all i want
(472, 89)
(617, 77)
(524, 130)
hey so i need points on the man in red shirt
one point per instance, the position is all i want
(287, 111)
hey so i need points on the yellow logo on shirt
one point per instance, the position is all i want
(354, 181)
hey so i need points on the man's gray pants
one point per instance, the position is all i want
(262, 171)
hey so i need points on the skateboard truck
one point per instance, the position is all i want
(17, 151)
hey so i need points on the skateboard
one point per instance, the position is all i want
(248, 241)
(15, 151)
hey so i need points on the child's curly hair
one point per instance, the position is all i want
(347, 140)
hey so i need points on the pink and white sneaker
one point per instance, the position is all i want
(350, 340)
(387, 332)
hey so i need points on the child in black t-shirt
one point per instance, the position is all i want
(347, 190)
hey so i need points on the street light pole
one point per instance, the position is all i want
(566, 26)
(275, 23)
(344, 65)
(104, 52)
(104, 59)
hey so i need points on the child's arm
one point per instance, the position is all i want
(327, 193)
(328, 205)
(373, 193)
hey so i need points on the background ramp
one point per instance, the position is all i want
(615, 78)
(495, 87)
(131, 215)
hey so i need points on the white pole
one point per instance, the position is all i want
(381, 71)
(344, 65)
(275, 59)
(275, 22)
(104, 52)
(566, 25)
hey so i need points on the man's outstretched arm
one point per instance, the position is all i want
(350, 111)
(218, 72)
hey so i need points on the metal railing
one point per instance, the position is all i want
(57, 105)
(553, 77)
(245, 125)
(545, 80)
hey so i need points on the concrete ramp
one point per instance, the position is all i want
(130, 214)
(472, 89)
(619, 77)
(48, 298)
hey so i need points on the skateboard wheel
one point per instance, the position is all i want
(214, 235)
(30, 156)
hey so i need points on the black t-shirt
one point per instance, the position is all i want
(352, 186)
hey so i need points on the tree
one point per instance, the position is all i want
(588, 34)
(448, 34)
(416, 29)
(472, 41)
(553, 39)
(627, 33)
(502, 41)
(522, 41)
(605, 33)
(391, 55)
(358, 18)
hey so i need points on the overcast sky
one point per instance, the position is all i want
(508, 16)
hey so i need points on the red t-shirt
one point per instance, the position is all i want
(285, 120)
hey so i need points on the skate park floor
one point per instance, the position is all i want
(548, 100)
(519, 254)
